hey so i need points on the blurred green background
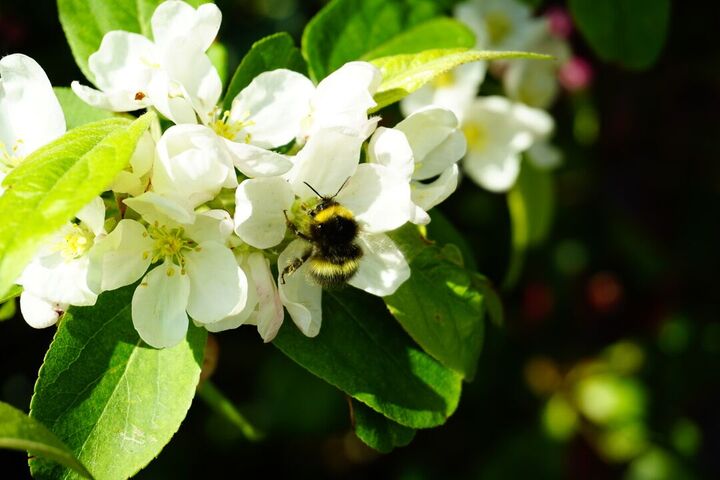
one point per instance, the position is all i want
(608, 365)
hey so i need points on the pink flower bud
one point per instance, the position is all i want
(576, 74)
(560, 22)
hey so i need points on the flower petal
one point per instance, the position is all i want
(435, 140)
(93, 215)
(326, 162)
(30, 114)
(121, 258)
(274, 104)
(495, 169)
(254, 161)
(158, 306)
(259, 206)
(211, 226)
(428, 195)
(390, 147)
(175, 20)
(378, 196)
(153, 207)
(38, 312)
(383, 267)
(302, 299)
(214, 283)
(269, 315)
(343, 98)
(242, 311)
(59, 280)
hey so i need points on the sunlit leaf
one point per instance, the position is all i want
(377, 431)
(55, 182)
(403, 74)
(112, 399)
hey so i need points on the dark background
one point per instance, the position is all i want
(632, 256)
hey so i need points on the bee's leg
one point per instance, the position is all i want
(294, 265)
(294, 229)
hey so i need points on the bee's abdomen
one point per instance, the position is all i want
(336, 265)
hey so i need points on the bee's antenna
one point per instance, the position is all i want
(341, 187)
(311, 188)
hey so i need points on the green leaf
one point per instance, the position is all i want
(20, 432)
(631, 32)
(437, 33)
(76, 111)
(7, 310)
(345, 30)
(85, 22)
(439, 305)
(441, 230)
(403, 74)
(113, 400)
(377, 431)
(221, 405)
(56, 181)
(531, 203)
(363, 352)
(11, 293)
(270, 53)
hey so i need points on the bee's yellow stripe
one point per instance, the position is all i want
(333, 211)
(324, 268)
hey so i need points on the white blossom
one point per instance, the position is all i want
(59, 275)
(30, 114)
(171, 73)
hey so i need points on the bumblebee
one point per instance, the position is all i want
(333, 256)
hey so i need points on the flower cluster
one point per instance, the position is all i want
(500, 129)
(294, 174)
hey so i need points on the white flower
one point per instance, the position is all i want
(59, 275)
(425, 145)
(171, 73)
(497, 24)
(30, 114)
(377, 195)
(195, 274)
(533, 82)
(497, 132)
(453, 90)
(342, 100)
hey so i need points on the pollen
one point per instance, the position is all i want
(170, 244)
(476, 135)
(76, 242)
(230, 129)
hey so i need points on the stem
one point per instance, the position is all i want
(215, 399)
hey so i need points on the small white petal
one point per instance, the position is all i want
(144, 155)
(214, 283)
(39, 313)
(302, 299)
(190, 75)
(124, 63)
(242, 311)
(93, 215)
(269, 315)
(153, 207)
(343, 98)
(174, 20)
(158, 306)
(254, 161)
(59, 280)
(379, 197)
(328, 159)
(495, 170)
(427, 195)
(274, 104)
(211, 226)
(390, 147)
(114, 100)
(171, 98)
(121, 258)
(383, 267)
(30, 114)
(435, 140)
(259, 206)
